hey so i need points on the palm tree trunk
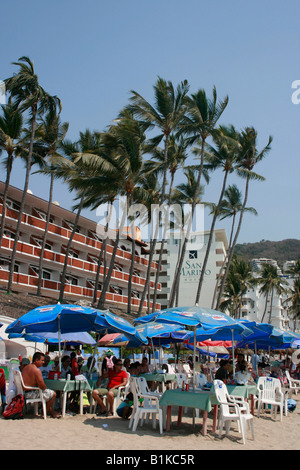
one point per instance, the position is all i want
(265, 309)
(28, 168)
(163, 242)
(64, 272)
(234, 243)
(102, 251)
(177, 274)
(271, 305)
(45, 235)
(211, 234)
(147, 281)
(105, 286)
(224, 263)
(8, 173)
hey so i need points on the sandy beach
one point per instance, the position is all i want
(89, 432)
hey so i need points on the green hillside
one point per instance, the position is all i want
(284, 250)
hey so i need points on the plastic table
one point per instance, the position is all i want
(65, 386)
(161, 378)
(203, 400)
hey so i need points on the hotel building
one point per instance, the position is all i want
(82, 260)
(191, 268)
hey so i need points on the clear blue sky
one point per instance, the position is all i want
(92, 53)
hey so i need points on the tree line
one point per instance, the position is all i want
(137, 156)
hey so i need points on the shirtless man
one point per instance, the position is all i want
(32, 377)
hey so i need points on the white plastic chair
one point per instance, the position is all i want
(180, 378)
(269, 393)
(294, 384)
(144, 404)
(201, 380)
(21, 387)
(231, 411)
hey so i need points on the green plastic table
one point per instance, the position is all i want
(64, 386)
(203, 400)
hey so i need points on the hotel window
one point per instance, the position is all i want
(73, 254)
(5, 265)
(136, 273)
(46, 274)
(43, 215)
(72, 280)
(135, 294)
(39, 243)
(94, 235)
(91, 283)
(118, 267)
(70, 226)
(116, 290)
(10, 204)
(9, 234)
(92, 259)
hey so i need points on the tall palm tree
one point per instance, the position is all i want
(126, 141)
(249, 157)
(270, 282)
(199, 123)
(76, 170)
(230, 207)
(223, 155)
(184, 193)
(11, 127)
(240, 279)
(177, 155)
(26, 94)
(49, 137)
(294, 300)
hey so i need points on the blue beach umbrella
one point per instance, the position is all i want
(52, 338)
(205, 318)
(68, 318)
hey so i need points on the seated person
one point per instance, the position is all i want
(241, 363)
(116, 378)
(222, 373)
(66, 367)
(74, 364)
(243, 375)
(32, 377)
(144, 367)
(55, 365)
(126, 363)
(45, 369)
(89, 370)
(124, 410)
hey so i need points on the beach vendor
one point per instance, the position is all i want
(32, 377)
(116, 378)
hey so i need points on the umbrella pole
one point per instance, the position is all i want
(194, 359)
(232, 336)
(256, 361)
(59, 343)
(153, 354)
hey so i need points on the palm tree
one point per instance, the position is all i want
(294, 271)
(230, 207)
(223, 156)
(11, 126)
(49, 136)
(177, 155)
(294, 300)
(240, 279)
(249, 156)
(26, 94)
(184, 193)
(77, 169)
(125, 140)
(199, 123)
(270, 282)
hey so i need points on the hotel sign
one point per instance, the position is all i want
(191, 271)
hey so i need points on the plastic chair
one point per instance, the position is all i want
(294, 384)
(144, 404)
(231, 411)
(144, 389)
(269, 393)
(180, 378)
(201, 380)
(21, 387)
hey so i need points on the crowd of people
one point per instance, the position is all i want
(115, 373)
